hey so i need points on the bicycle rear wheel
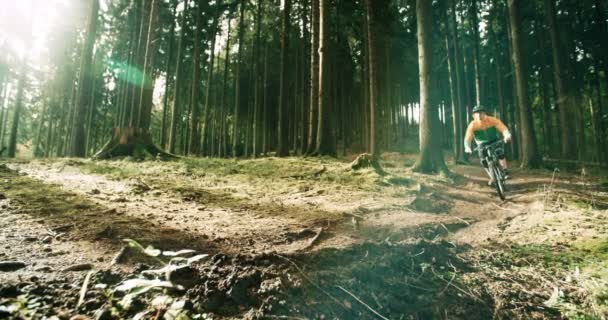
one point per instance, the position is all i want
(499, 183)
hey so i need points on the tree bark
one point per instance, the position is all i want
(78, 148)
(224, 101)
(193, 147)
(564, 103)
(237, 81)
(283, 128)
(372, 80)
(431, 157)
(325, 140)
(530, 157)
(476, 52)
(256, 81)
(163, 130)
(314, 77)
(458, 104)
(175, 110)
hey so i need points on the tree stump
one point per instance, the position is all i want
(366, 160)
(130, 142)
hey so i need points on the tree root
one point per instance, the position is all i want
(131, 142)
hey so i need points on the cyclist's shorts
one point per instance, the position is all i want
(500, 153)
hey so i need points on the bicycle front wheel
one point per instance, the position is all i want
(499, 183)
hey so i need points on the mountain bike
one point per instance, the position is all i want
(490, 156)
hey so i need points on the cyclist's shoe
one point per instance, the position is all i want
(490, 183)
(507, 173)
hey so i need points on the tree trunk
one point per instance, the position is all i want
(372, 79)
(224, 101)
(564, 103)
(126, 141)
(283, 128)
(475, 27)
(210, 78)
(78, 148)
(256, 81)
(163, 130)
(12, 140)
(237, 81)
(314, 77)
(193, 147)
(175, 110)
(325, 140)
(530, 157)
(431, 157)
(457, 104)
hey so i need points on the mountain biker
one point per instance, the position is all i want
(485, 130)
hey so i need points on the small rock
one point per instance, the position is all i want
(95, 191)
(43, 269)
(184, 276)
(30, 239)
(102, 314)
(11, 265)
(79, 267)
(47, 239)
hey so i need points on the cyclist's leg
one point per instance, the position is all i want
(502, 160)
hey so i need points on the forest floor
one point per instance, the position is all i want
(298, 239)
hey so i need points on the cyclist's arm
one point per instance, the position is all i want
(468, 138)
(502, 128)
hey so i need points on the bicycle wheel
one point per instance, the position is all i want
(498, 181)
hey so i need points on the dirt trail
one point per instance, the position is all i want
(360, 238)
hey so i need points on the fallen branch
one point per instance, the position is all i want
(506, 209)
(353, 215)
(312, 282)
(363, 303)
(316, 174)
(457, 287)
(461, 219)
(118, 257)
(83, 290)
(314, 239)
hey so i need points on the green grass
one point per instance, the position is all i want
(41, 198)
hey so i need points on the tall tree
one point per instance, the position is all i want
(135, 134)
(283, 128)
(530, 157)
(325, 137)
(168, 78)
(237, 81)
(564, 101)
(431, 157)
(193, 148)
(210, 78)
(458, 104)
(12, 140)
(175, 108)
(372, 79)
(314, 77)
(475, 26)
(84, 82)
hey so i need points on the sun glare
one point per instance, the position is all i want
(25, 27)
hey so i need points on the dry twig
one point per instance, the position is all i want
(363, 303)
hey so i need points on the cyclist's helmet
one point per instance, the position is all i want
(479, 108)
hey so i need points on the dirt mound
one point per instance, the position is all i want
(419, 280)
